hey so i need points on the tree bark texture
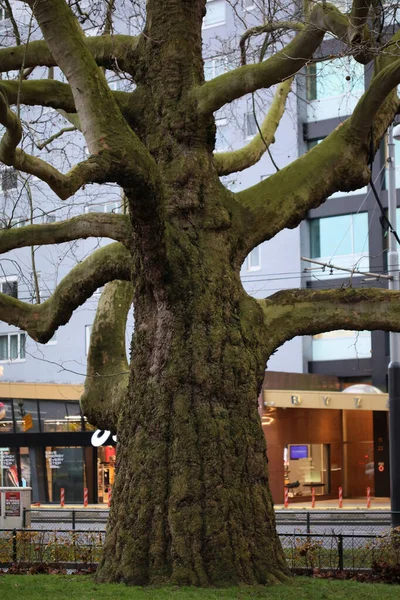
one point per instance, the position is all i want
(191, 503)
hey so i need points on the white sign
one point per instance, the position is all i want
(100, 437)
(55, 459)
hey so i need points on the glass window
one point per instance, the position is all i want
(6, 418)
(251, 125)
(215, 66)
(12, 346)
(8, 468)
(65, 468)
(220, 139)
(26, 416)
(9, 286)
(344, 234)
(74, 416)
(55, 416)
(307, 466)
(341, 345)
(215, 14)
(9, 179)
(334, 78)
(254, 260)
(88, 333)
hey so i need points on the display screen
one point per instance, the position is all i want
(297, 452)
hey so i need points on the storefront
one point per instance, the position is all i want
(326, 440)
(45, 443)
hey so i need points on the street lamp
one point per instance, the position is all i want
(394, 338)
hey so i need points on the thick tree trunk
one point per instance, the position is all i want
(191, 503)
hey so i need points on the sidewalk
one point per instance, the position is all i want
(348, 504)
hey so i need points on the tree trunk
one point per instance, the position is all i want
(191, 503)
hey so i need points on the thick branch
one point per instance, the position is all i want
(213, 94)
(41, 321)
(51, 93)
(307, 312)
(109, 51)
(115, 227)
(93, 170)
(229, 162)
(107, 377)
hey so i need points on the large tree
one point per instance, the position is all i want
(191, 502)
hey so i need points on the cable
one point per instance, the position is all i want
(385, 223)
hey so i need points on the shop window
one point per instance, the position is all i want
(12, 346)
(6, 417)
(307, 466)
(26, 416)
(58, 416)
(65, 468)
(105, 472)
(8, 468)
(215, 14)
(74, 416)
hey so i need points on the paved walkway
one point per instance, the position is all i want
(348, 504)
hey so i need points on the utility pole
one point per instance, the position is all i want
(394, 365)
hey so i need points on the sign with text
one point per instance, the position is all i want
(55, 459)
(12, 505)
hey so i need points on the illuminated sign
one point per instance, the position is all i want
(101, 437)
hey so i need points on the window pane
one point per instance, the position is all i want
(336, 235)
(254, 258)
(215, 13)
(337, 77)
(14, 347)
(53, 416)
(22, 341)
(315, 245)
(74, 416)
(360, 227)
(10, 288)
(251, 126)
(9, 179)
(3, 347)
(22, 409)
(6, 420)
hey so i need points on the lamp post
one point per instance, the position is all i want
(394, 338)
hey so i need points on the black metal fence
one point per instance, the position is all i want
(36, 549)
(66, 518)
(371, 522)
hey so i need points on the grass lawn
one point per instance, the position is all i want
(63, 587)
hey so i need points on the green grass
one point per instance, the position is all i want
(70, 587)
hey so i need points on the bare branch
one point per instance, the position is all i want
(213, 94)
(115, 227)
(229, 162)
(266, 28)
(308, 312)
(40, 321)
(55, 136)
(107, 377)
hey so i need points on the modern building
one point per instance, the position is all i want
(45, 381)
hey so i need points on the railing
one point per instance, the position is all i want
(66, 518)
(35, 550)
(374, 522)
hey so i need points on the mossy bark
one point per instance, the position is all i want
(191, 503)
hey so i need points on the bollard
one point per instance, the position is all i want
(286, 504)
(312, 497)
(368, 497)
(62, 497)
(109, 496)
(340, 498)
(85, 497)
